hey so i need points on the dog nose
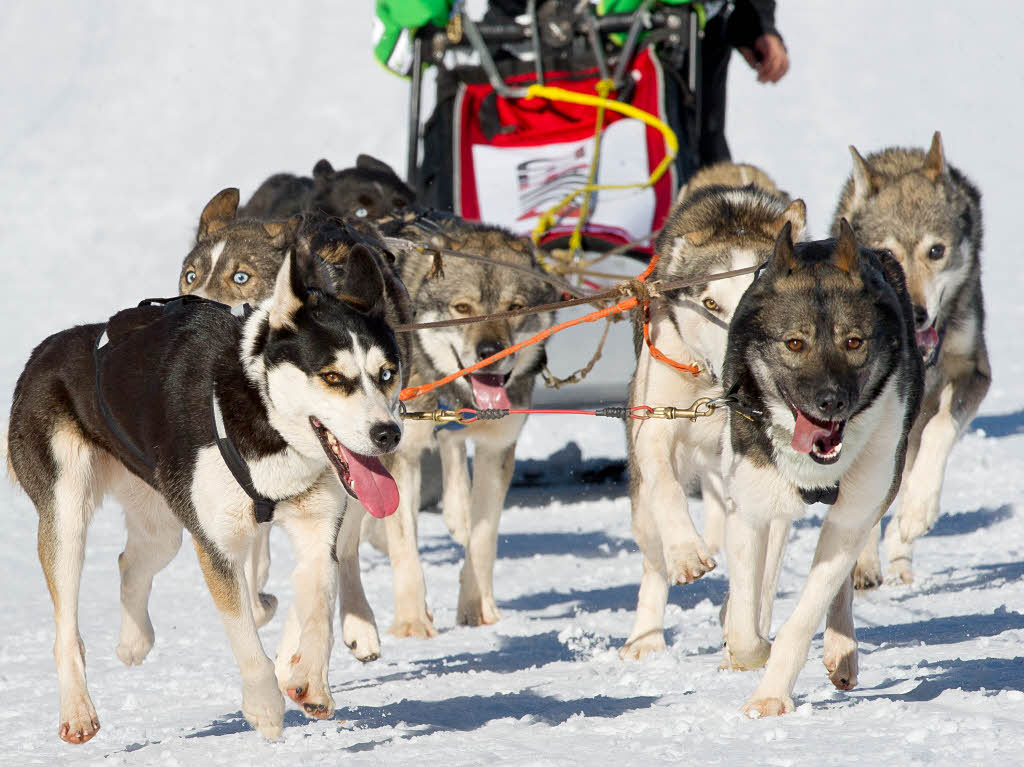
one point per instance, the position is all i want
(385, 436)
(920, 316)
(830, 402)
(487, 349)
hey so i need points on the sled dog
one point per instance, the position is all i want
(233, 262)
(925, 212)
(821, 346)
(462, 288)
(196, 419)
(367, 191)
(713, 228)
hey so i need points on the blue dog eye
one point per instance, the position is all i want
(385, 375)
(240, 278)
(190, 277)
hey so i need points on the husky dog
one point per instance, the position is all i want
(196, 419)
(462, 288)
(822, 346)
(369, 190)
(712, 229)
(924, 212)
(234, 263)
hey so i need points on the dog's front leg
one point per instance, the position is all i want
(834, 556)
(687, 558)
(358, 626)
(311, 521)
(841, 639)
(457, 494)
(257, 570)
(778, 535)
(867, 573)
(262, 703)
(492, 473)
(713, 493)
(412, 618)
(746, 541)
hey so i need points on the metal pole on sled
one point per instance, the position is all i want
(415, 91)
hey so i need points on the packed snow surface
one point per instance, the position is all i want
(123, 118)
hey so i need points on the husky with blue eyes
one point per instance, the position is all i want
(196, 417)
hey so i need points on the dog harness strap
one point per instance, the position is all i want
(263, 508)
(827, 495)
(108, 417)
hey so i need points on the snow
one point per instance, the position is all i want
(123, 119)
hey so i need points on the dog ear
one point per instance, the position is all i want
(934, 161)
(783, 260)
(367, 162)
(847, 255)
(322, 172)
(362, 287)
(302, 278)
(218, 213)
(865, 180)
(795, 215)
(282, 232)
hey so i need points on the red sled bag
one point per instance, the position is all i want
(514, 159)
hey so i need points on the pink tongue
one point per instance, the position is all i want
(370, 481)
(928, 338)
(489, 391)
(806, 432)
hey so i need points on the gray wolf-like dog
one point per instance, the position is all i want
(149, 407)
(927, 214)
(823, 346)
(724, 222)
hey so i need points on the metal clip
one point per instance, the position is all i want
(439, 416)
(704, 406)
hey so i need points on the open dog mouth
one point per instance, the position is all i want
(489, 391)
(822, 440)
(928, 342)
(363, 476)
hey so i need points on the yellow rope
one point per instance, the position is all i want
(601, 102)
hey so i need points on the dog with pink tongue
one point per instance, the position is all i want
(823, 359)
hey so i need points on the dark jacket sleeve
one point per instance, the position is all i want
(749, 20)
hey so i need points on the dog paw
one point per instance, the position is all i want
(360, 637)
(644, 645)
(265, 712)
(756, 708)
(263, 609)
(417, 628)
(78, 721)
(867, 577)
(315, 701)
(478, 612)
(918, 513)
(740, 657)
(900, 571)
(840, 660)
(689, 563)
(134, 645)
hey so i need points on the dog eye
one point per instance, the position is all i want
(710, 304)
(854, 343)
(515, 306)
(794, 344)
(240, 278)
(937, 252)
(361, 212)
(463, 308)
(386, 374)
(331, 379)
(190, 277)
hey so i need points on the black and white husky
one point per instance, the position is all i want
(822, 345)
(195, 419)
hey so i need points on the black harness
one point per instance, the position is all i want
(263, 507)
